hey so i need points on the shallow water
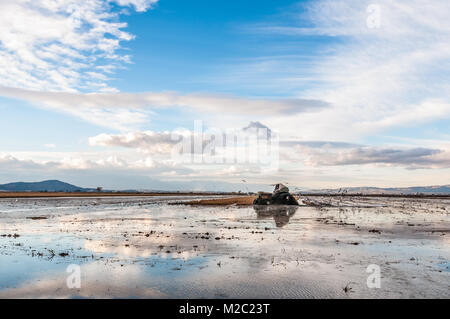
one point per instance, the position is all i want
(143, 247)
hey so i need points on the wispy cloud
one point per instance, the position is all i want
(147, 142)
(78, 163)
(377, 77)
(139, 5)
(123, 110)
(411, 158)
(65, 45)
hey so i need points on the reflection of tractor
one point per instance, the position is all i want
(280, 196)
(281, 214)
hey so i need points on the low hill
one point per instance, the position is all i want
(44, 186)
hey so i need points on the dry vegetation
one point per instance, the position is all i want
(241, 200)
(84, 194)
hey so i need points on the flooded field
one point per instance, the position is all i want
(133, 247)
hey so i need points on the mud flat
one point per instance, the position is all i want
(142, 247)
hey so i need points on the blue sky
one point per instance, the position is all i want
(200, 40)
(91, 91)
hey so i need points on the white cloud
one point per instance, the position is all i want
(309, 153)
(139, 5)
(147, 142)
(9, 162)
(213, 140)
(411, 158)
(199, 102)
(99, 162)
(126, 110)
(375, 79)
(54, 44)
(112, 172)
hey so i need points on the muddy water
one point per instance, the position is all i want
(143, 247)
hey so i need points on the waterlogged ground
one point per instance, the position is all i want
(143, 247)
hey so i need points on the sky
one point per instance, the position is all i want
(347, 93)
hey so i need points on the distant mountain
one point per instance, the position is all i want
(438, 190)
(45, 186)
